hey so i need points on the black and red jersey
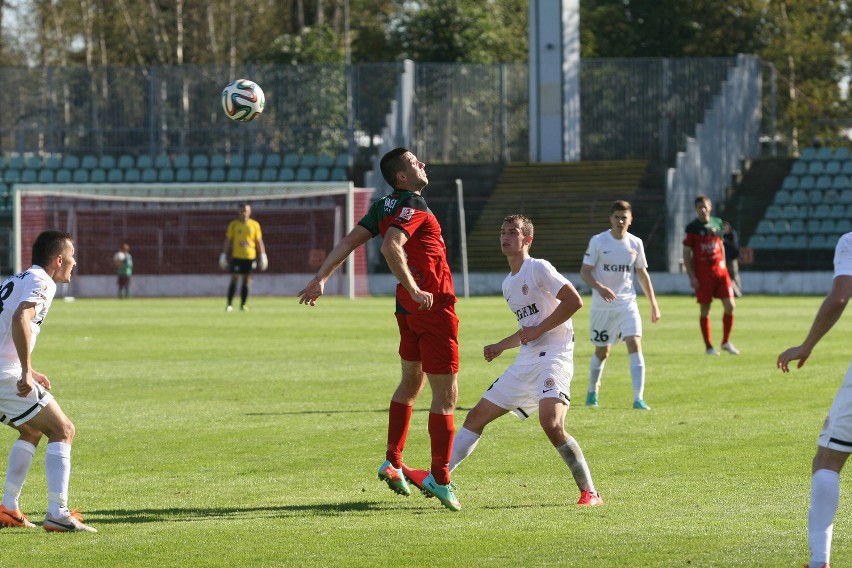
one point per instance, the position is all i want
(425, 249)
(705, 240)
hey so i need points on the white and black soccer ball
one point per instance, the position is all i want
(243, 100)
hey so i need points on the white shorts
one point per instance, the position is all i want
(608, 326)
(837, 432)
(520, 388)
(16, 410)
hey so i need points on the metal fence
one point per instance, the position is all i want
(630, 108)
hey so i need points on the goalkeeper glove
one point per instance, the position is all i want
(223, 261)
(263, 263)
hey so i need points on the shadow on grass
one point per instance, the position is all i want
(338, 411)
(107, 516)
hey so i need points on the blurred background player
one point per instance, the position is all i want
(539, 379)
(608, 266)
(835, 441)
(414, 249)
(704, 260)
(123, 262)
(25, 403)
(244, 243)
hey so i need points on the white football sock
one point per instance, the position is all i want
(637, 374)
(825, 496)
(573, 457)
(20, 460)
(596, 368)
(464, 443)
(57, 467)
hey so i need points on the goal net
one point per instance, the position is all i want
(176, 232)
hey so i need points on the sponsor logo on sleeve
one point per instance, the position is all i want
(405, 214)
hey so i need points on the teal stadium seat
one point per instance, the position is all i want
(847, 168)
(217, 175)
(799, 197)
(764, 227)
(202, 161)
(97, 175)
(782, 197)
(115, 175)
(325, 160)
(840, 182)
(792, 212)
(106, 162)
(291, 160)
(813, 225)
(799, 168)
(89, 162)
(52, 162)
(63, 175)
(790, 182)
(149, 175)
(846, 196)
(823, 182)
(818, 241)
(342, 161)
(29, 176)
(218, 161)
(237, 161)
(338, 174)
(838, 211)
(125, 162)
(144, 161)
(307, 161)
(162, 161)
(251, 174)
(235, 175)
(321, 173)
(832, 167)
(773, 211)
(843, 226)
(12, 175)
(304, 173)
(783, 226)
(757, 242)
(269, 174)
(32, 162)
(807, 154)
(807, 182)
(826, 227)
(824, 154)
(45, 175)
(183, 174)
(181, 161)
(255, 160)
(841, 153)
(132, 175)
(815, 197)
(16, 162)
(286, 173)
(166, 175)
(272, 161)
(80, 176)
(200, 175)
(821, 211)
(815, 168)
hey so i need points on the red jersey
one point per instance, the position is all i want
(705, 240)
(425, 250)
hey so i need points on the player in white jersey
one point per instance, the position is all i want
(608, 266)
(835, 441)
(543, 302)
(25, 403)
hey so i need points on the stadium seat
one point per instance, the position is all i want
(166, 175)
(799, 168)
(251, 174)
(790, 182)
(70, 162)
(796, 226)
(32, 162)
(321, 173)
(781, 226)
(52, 162)
(132, 175)
(63, 175)
(15, 162)
(269, 174)
(12, 175)
(325, 160)
(843, 226)
(307, 161)
(818, 241)
(106, 162)
(181, 161)
(757, 242)
(235, 175)
(273, 161)
(339, 174)
(218, 161)
(773, 211)
(162, 161)
(821, 211)
(846, 196)
(97, 175)
(847, 168)
(807, 154)
(782, 197)
(115, 175)
(790, 211)
(832, 167)
(813, 225)
(840, 182)
(202, 161)
(823, 182)
(838, 211)
(304, 174)
(45, 175)
(831, 195)
(841, 153)
(28, 176)
(144, 161)
(183, 174)
(80, 175)
(237, 161)
(807, 182)
(764, 227)
(217, 175)
(815, 197)
(786, 241)
(825, 153)
(125, 161)
(286, 174)
(342, 161)
(826, 227)
(200, 175)
(771, 242)
(799, 197)
(149, 175)
(291, 160)
(815, 168)
(255, 160)
(89, 162)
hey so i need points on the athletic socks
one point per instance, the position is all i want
(573, 457)
(596, 368)
(57, 467)
(704, 323)
(399, 417)
(727, 326)
(464, 443)
(825, 496)
(637, 374)
(20, 460)
(441, 431)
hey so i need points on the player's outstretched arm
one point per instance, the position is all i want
(314, 288)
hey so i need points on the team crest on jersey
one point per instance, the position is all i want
(525, 289)
(405, 214)
(549, 383)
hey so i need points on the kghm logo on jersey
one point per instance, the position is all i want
(525, 289)
(526, 311)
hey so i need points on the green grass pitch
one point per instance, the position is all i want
(253, 439)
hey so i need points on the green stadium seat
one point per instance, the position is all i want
(816, 168)
(12, 175)
(843, 226)
(251, 174)
(144, 161)
(846, 196)
(813, 225)
(757, 241)
(291, 160)
(15, 162)
(833, 167)
(200, 175)
(818, 241)
(237, 161)
(782, 197)
(307, 161)
(80, 175)
(774, 211)
(807, 182)
(847, 168)
(342, 161)
(796, 226)
(32, 162)
(255, 160)
(840, 182)
(132, 175)
(823, 182)
(202, 161)
(183, 174)
(304, 174)
(790, 182)
(97, 175)
(838, 211)
(29, 176)
(166, 175)
(824, 154)
(162, 161)
(807, 154)
(235, 175)
(799, 197)
(286, 173)
(764, 227)
(272, 161)
(149, 175)
(269, 174)
(63, 175)
(821, 211)
(826, 227)
(217, 175)
(321, 173)
(338, 174)
(89, 162)
(793, 212)
(815, 197)
(125, 161)
(181, 161)
(218, 161)
(115, 175)
(52, 162)
(107, 162)
(45, 175)
(799, 168)
(841, 153)
(325, 160)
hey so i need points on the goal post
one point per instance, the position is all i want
(176, 231)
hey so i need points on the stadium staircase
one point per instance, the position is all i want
(567, 202)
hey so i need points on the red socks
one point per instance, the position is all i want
(399, 417)
(727, 326)
(441, 431)
(704, 323)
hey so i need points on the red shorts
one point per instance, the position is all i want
(432, 338)
(713, 285)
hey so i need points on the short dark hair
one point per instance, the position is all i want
(620, 205)
(391, 164)
(701, 199)
(526, 224)
(48, 245)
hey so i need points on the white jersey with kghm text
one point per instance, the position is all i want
(843, 256)
(33, 285)
(531, 295)
(614, 262)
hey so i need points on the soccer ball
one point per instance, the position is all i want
(243, 100)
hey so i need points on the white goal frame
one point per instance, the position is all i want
(187, 192)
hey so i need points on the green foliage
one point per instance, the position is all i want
(252, 439)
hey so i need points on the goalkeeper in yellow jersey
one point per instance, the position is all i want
(244, 244)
